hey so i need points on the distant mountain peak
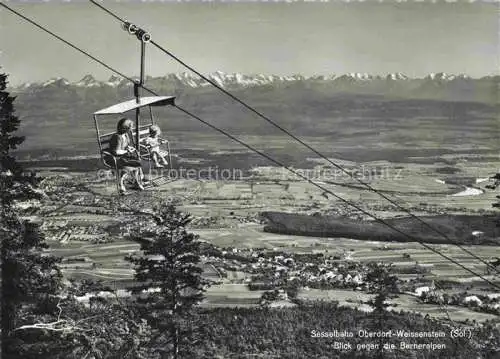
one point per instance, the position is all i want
(355, 76)
(397, 76)
(88, 81)
(443, 76)
(56, 81)
(88, 77)
(114, 81)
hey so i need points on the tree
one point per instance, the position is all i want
(384, 284)
(9, 123)
(170, 281)
(30, 279)
(105, 328)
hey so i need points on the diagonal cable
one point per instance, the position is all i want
(269, 158)
(287, 132)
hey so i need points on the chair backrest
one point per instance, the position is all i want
(104, 146)
(143, 132)
(104, 143)
(105, 140)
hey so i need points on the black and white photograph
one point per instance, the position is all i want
(224, 179)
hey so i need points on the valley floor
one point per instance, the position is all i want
(88, 225)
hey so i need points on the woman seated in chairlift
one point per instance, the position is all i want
(153, 143)
(121, 146)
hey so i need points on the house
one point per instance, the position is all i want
(420, 290)
(473, 299)
(329, 274)
(357, 279)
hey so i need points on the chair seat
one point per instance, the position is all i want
(128, 168)
(117, 164)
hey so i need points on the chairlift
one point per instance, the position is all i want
(141, 132)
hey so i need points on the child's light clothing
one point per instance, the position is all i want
(154, 144)
(157, 155)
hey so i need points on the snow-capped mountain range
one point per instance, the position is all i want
(435, 86)
(236, 79)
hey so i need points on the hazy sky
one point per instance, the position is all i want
(271, 38)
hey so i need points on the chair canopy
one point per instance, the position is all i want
(129, 105)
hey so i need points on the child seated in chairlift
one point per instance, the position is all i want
(153, 142)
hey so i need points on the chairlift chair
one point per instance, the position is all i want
(141, 132)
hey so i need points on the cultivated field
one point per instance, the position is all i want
(227, 214)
